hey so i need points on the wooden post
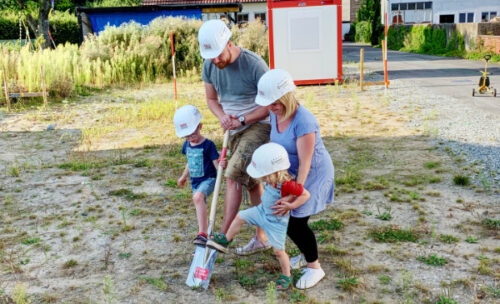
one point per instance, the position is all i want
(361, 59)
(6, 89)
(44, 88)
(173, 67)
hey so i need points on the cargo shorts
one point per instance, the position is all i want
(241, 147)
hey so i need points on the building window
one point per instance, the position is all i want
(461, 18)
(411, 6)
(428, 5)
(242, 18)
(487, 16)
(403, 6)
(261, 16)
(470, 17)
(446, 18)
(420, 5)
(394, 6)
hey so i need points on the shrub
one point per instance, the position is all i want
(363, 31)
(63, 27)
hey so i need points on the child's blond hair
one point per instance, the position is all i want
(278, 177)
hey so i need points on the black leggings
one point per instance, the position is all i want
(303, 237)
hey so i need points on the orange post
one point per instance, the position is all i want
(361, 59)
(384, 43)
(173, 66)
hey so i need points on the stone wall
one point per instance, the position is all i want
(472, 31)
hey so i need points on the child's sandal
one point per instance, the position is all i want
(221, 239)
(283, 282)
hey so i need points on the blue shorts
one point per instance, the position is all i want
(274, 226)
(206, 187)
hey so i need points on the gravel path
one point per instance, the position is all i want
(458, 127)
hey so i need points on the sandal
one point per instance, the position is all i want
(283, 282)
(219, 242)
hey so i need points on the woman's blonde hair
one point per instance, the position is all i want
(278, 177)
(290, 102)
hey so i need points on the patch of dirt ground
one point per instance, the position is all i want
(90, 212)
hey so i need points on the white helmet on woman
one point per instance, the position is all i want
(272, 86)
(213, 37)
(186, 120)
(267, 159)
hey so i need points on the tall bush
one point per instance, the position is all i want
(131, 53)
(363, 31)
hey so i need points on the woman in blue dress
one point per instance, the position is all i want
(295, 128)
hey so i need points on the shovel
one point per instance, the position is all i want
(203, 262)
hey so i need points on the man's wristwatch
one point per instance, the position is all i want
(242, 119)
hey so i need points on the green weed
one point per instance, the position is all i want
(432, 260)
(445, 300)
(156, 282)
(332, 224)
(491, 224)
(448, 239)
(471, 240)
(385, 280)
(348, 284)
(389, 234)
(461, 180)
(70, 264)
(30, 241)
(128, 194)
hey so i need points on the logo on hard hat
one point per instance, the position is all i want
(184, 126)
(276, 160)
(261, 93)
(254, 164)
(207, 46)
(283, 84)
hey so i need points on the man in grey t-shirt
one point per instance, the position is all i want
(231, 75)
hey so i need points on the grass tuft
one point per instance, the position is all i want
(390, 234)
(461, 180)
(432, 260)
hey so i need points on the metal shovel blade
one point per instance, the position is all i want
(201, 270)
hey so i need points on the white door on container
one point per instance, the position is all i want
(305, 41)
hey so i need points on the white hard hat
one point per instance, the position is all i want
(267, 159)
(213, 37)
(186, 120)
(272, 86)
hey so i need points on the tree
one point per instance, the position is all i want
(369, 10)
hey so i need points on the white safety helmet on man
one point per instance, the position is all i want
(186, 120)
(213, 37)
(272, 86)
(267, 159)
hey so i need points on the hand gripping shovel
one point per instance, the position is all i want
(204, 258)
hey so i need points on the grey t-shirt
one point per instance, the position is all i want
(236, 84)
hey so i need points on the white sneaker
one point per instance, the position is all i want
(310, 278)
(252, 247)
(298, 262)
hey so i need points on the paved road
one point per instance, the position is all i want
(439, 75)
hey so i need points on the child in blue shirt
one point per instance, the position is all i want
(201, 165)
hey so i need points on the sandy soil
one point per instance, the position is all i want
(100, 222)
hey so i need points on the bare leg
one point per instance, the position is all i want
(235, 228)
(232, 202)
(255, 199)
(314, 265)
(201, 211)
(284, 261)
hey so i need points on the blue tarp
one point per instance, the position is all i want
(100, 20)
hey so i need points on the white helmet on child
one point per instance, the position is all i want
(213, 37)
(272, 86)
(267, 159)
(186, 120)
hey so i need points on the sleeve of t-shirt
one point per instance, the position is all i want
(260, 69)
(212, 151)
(205, 71)
(291, 187)
(306, 124)
(184, 147)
